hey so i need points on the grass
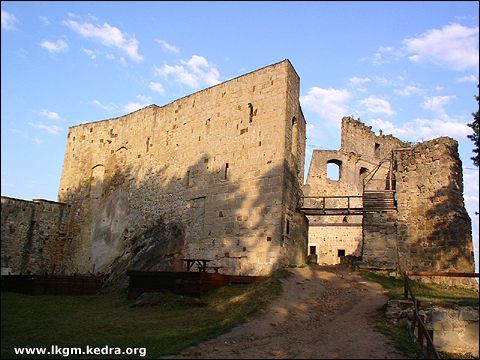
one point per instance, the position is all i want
(109, 319)
(399, 335)
(425, 292)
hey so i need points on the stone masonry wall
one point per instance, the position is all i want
(214, 175)
(360, 154)
(32, 235)
(434, 229)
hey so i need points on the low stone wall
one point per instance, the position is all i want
(455, 328)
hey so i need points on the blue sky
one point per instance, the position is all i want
(407, 68)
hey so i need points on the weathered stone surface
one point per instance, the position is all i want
(224, 165)
(455, 328)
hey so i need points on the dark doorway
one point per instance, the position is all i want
(340, 253)
(313, 250)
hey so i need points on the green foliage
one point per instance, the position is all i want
(475, 125)
(109, 319)
(398, 335)
(425, 292)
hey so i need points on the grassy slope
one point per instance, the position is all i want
(399, 335)
(108, 319)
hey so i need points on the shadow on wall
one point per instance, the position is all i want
(440, 239)
(150, 220)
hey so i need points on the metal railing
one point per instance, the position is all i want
(423, 334)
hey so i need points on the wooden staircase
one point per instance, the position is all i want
(375, 201)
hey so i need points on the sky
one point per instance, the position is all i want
(407, 68)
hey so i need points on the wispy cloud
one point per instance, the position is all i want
(169, 48)
(329, 104)
(136, 105)
(54, 46)
(437, 103)
(8, 21)
(50, 114)
(90, 53)
(107, 107)
(454, 46)
(410, 90)
(467, 78)
(359, 80)
(195, 72)
(423, 129)
(45, 20)
(376, 105)
(51, 129)
(157, 87)
(107, 35)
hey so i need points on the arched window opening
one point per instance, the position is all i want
(334, 168)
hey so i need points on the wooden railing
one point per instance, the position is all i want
(418, 320)
(325, 204)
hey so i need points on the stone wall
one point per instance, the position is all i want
(434, 229)
(329, 234)
(380, 240)
(455, 328)
(32, 235)
(215, 175)
(363, 157)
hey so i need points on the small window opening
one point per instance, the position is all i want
(313, 250)
(340, 253)
(334, 169)
(345, 220)
(377, 148)
(188, 178)
(226, 171)
(287, 229)
(294, 136)
(250, 106)
(148, 143)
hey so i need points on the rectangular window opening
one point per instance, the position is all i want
(226, 171)
(340, 253)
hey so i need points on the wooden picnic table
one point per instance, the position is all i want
(201, 264)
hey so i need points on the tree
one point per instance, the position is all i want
(474, 137)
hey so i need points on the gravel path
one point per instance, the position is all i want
(323, 313)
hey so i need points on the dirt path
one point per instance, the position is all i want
(323, 313)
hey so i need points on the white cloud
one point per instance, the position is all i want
(54, 47)
(136, 105)
(454, 46)
(409, 90)
(329, 104)
(90, 53)
(51, 129)
(169, 48)
(436, 103)
(467, 78)
(423, 129)
(358, 80)
(376, 105)
(44, 20)
(107, 35)
(157, 87)
(8, 21)
(439, 88)
(196, 73)
(50, 114)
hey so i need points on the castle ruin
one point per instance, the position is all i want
(218, 175)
